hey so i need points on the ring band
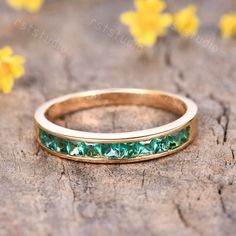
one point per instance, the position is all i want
(116, 147)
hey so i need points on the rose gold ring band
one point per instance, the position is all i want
(116, 147)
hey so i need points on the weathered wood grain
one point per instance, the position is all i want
(80, 45)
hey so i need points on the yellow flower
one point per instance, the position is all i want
(10, 68)
(148, 22)
(30, 5)
(186, 22)
(228, 25)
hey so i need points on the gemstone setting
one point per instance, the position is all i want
(114, 151)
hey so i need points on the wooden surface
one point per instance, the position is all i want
(189, 193)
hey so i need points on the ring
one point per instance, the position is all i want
(116, 147)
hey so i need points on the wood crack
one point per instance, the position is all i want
(38, 149)
(143, 179)
(223, 206)
(224, 115)
(184, 220)
(62, 171)
(65, 173)
(233, 154)
(214, 134)
(181, 216)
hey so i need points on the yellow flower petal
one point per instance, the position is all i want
(34, 5)
(10, 69)
(150, 5)
(18, 4)
(228, 25)
(186, 22)
(147, 23)
(127, 18)
(30, 5)
(5, 52)
(6, 84)
(17, 71)
(147, 39)
(164, 22)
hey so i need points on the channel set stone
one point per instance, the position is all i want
(112, 151)
(115, 150)
(172, 141)
(184, 135)
(159, 145)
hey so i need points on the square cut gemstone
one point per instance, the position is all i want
(65, 146)
(112, 151)
(159, 145)
(172, 141)
(175, 140)
(184, 135)
(44, 137)
(90, 150)
(98, 149)
(142, 148)
(82, 148)
(78, 149)
(53, 145)
(48, 140)
(127, 150)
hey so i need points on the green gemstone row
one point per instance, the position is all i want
(114, 150)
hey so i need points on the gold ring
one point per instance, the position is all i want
(116, 147)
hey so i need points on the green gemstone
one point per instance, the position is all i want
(98, 149)
(113, 151)
(158, 145)
(89, 150)
(80, 149)
(64, 146)
(101, 148)
(142, 148)
(71, 148)
(42, 136)
(126, 150)
(53, 145)
(184, 135)
(48, 140)
(45, 138)
(172, 141)
(95, 149)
